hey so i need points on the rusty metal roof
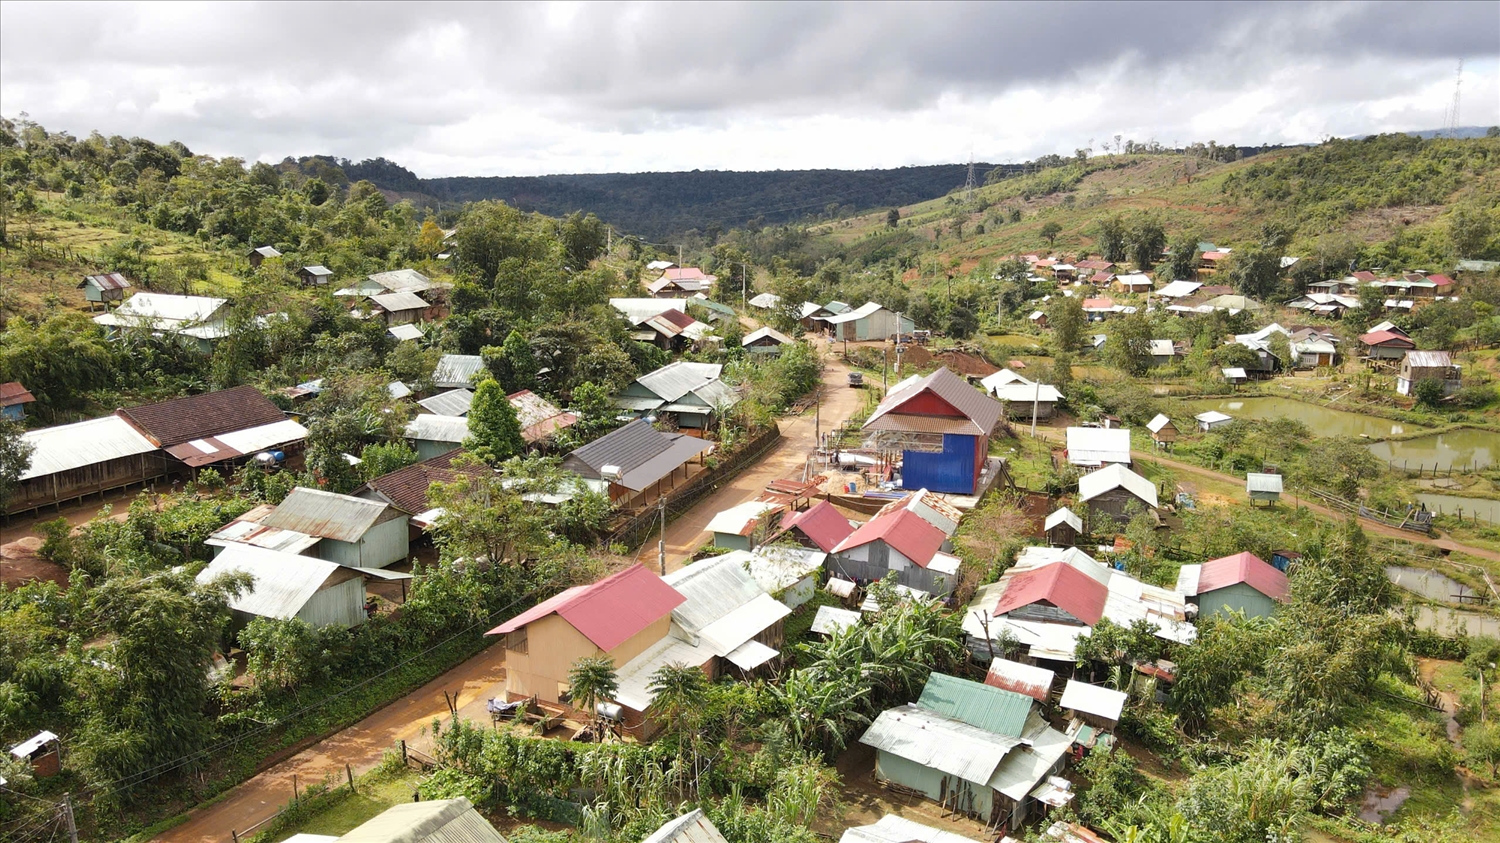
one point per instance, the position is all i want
(106, 281)
(327, 514)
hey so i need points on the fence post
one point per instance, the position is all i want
(296, 800)
(235, 835)
(349, 771)
(403, 752)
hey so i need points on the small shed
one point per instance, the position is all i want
(400, 308)
(354, 531)
(1428, 365)
(1263, 487)
(766, 340)
(832, 619)
(1114, 489)
(1096, 706)
(1163, 432)
(1234, 374)
(1063, 528)
(258, 255)
(106, 287)
(286, 585)
(436, 435)
(1026, 679)
(737, 527)
(13, 400)
(820, 526)
(316, 275)
(43, 751)
(1211, 419)
(1038, 318)
(1239, 583)
(405, 332)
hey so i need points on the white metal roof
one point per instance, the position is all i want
(429, 428)
(1162, 348)
(408, 331)
(1026, 393)
(1179, 289)
(763, 333)
(32, 744)
(326, 514)
(454, 402)
(740, 519)
(1063, 516)
(1233, 372)
(1134, 279)
(1156, 424)
(765, 301)
(750, 655)
(1092, 699)
(725, 606)
(1098, 445)
(779, 567)
(397, 390)
(396, 302)
(457, 370)
(894, 829)
(264, 436)
(1001, 378)
(1263, 483)
(1213, 417)
(402, 280)
(867, 309)
(639, 310)
(1187, 580)
(940, 743)
(831, 619)
(436, 821)
(692, 827)
(161, 310)
(69, 446)
(283, 582)
(1021, 770)
(1115, 476)
(1428, 359)
(675, 380)
(634, 676)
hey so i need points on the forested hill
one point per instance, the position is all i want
(660, 205)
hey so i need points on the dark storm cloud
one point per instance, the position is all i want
(470, 87)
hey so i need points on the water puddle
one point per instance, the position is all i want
(1429, 584)
(1380, 802)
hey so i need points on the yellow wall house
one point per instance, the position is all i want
(619, 616)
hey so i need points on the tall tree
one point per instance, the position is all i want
(1050, 231)
(15, 458)
(592, 680)
(494, 430)
(678, 693)
(1066, 320)
(1129, 344)
(1147, 240)
(1111, 236)
(1182, 264)
(1255, 271)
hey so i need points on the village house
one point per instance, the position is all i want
(405, 489)
(1263, 487)
(1312, 349)
(1163, 352)
(286, 586)
(350, 531)
(821, 526)
(1267, 362)
(198, 320)
(742, 526)
(1178, 290)
(979, 750)
(942, 428)
(432, 435)
(869, 321)
(42, 752)
(1211, 260)
(900, 542)
(1023, 400)
(1386, 342)
(1238, 583)
(1418, 366)
(216, 429)
(540, 419)
(399, 308)
(664, 323)
(1210, 419)
(1163, 432)
(687, 393)
(930, 507)
(1062, 528)
(453, 402)
(681, 282)
(1092, 447)
(105, 287)
(766, 340)
(1098, 309)
(704, 308)
(1004, 377)
(316, 275)
(259, 254)
(1135, 282)
(620, 617)
(634, 460)
(1117, 492)
(1038, 318)
(13, 400)
(1093, 705)
(1330, 305)
(455, 371)
(70, 461)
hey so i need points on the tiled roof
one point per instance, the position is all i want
(199, 416)
(13, 393)
(1061, 585)
(406, 488)
(1247, 568)
(608, 612)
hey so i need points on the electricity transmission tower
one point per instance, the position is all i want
(1450, 126)
(969, 181)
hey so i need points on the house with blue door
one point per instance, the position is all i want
(942, 426)
(13, 400)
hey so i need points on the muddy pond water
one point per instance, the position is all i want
(1323, 421)
(1482, 508)
(1460, 450)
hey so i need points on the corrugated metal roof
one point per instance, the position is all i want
(266, 251)
(107, 281)
(430, 428)
(930, 506)
(1243, 567)
(824, 525)
(1187, 579)
(13, 393)
(1059, 584)
(723, 605)
(609, 611)
(261, 437)
(675, 380)
(435, 821)
(1234, 372)
(1156, 424)
(680, 449)
(1429, 359)
(691, 827)
(1092, 699)
(742, 519)
(161, 310)
(831, 619)
(1263, 482)
(404, 333)
(454, 402)
(402, 281)
(397, 390)
(396, 302)
(640, 310)
(894, 829)
(981, 411)
(284, 582)
(317, 269)
(32, 744)
(983, 706)
(1027, 393)
(69, 446)
(1098, 445)
(903, 530)
(1213, 417)
(1116, 476)
(766, 332)
(941, 743)
(457, 370)
(1025, 766)
(765, 301)
(327, 514)
(634, 676)
(1179, 289)
(1063, 516)
(865, 310)
(626, 447)
(1002, 378)
(750, 655)
(1017, 678)
(247, 529)
(776, 568)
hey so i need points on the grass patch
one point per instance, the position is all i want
(337, 811)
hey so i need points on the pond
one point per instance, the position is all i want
(1445, 621)
(1429, 584)
(1482, 508)
(1463, 449)
(1322, 421)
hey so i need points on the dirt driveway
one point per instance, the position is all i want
(798, 440)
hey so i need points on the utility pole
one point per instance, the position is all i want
(67, 808)
(1036, 393)
(661, 542)
(969, 181)
(744, 286)
(679, 254)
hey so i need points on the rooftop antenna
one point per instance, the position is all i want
(969, 181)
(1451, 127)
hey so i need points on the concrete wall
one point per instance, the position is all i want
(1238, 597)
(339, 604)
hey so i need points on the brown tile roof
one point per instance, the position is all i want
(13, 393)
(406, 488)
(181, 420)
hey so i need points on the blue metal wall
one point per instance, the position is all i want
(952, 471)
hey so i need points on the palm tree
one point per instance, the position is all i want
(678, 691)
(592, 680)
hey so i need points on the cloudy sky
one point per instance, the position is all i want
(524, 89)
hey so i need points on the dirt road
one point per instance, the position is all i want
(798, 440)
(360, 746)
(1054, 435)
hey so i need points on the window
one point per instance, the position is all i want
(515, 642)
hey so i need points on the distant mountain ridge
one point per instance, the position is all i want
(660, 205)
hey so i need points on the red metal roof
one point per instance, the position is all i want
(1440, 280)
(1102, 302)
(904, 530)
(608, 612)
(1365, 275)
(821, 523)
(685, 273)
(13, 393)
(1247, 568)
(1060, 584)
(1383, 337)
(678, 318)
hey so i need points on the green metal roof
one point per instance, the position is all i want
(982, 706)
